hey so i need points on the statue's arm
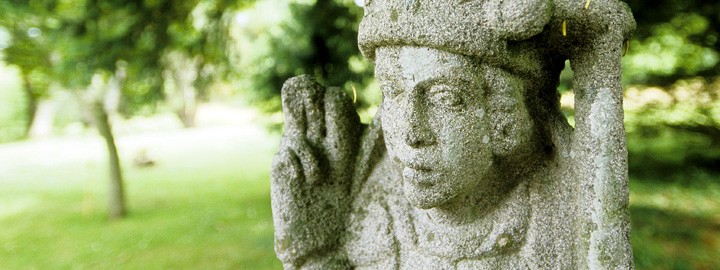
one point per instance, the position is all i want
(311, 174)
(602, 29)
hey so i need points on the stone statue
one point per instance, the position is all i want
(469, 163)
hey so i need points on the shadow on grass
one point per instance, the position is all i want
(669, 240)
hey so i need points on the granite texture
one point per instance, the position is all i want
(469, 163)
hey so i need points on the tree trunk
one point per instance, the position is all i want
(183, 72)
(188, 108)
(32, 105)
(116, 194)
(43, 117)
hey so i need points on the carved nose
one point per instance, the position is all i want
(418, 136)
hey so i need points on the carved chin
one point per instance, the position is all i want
(422, 188)
(434, 188)
(423, 198)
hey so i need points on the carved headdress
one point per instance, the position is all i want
(501, 32)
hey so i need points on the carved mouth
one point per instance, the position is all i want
(421, 176)
(417, 162)
(419, 167)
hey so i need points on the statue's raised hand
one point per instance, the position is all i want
(312, 172)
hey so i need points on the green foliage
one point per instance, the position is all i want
(67, 41)
(13, 119)
(673, 126)
(670, 52)
(674, 129)
(675, 39)
(314, 37)
(31, 47)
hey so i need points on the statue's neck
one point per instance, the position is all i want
(474, 205)
(492, 226)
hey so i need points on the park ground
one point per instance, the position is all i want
(205, 202)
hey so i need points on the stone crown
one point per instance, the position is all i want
(500, 32)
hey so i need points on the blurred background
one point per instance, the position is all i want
(139, 134)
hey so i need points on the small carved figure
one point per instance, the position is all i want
(469, 163)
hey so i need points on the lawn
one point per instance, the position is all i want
(205, 205)
(676, 222)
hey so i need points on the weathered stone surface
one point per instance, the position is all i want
(469, 163)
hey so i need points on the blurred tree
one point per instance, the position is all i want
(675, 39)
(674, 57)
(674, 129)
(200, 53)
(111, 46)
(31, 52)
(318, 38)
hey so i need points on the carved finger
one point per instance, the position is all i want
(286, 167)
(314, 111)
(309, 162)
(302, 100)
(342, 124)
(293, 109)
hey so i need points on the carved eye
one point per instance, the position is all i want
(445, 96)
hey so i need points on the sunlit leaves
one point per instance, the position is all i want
(74, 39)
(678, 125)
(675, 39)
(71, 10)
(671, 49)
(302, 37)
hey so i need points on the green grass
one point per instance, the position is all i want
(676, 223)
(205, 205)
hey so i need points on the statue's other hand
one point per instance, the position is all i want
(312, 172)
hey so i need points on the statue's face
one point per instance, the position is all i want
(436, 123)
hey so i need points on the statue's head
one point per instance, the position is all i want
(462, 97)
(452, 122)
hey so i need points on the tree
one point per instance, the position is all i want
(199, 53)
(317, 38)
(672, 68)
(31, 52)
(102, 44)
(675, 39)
